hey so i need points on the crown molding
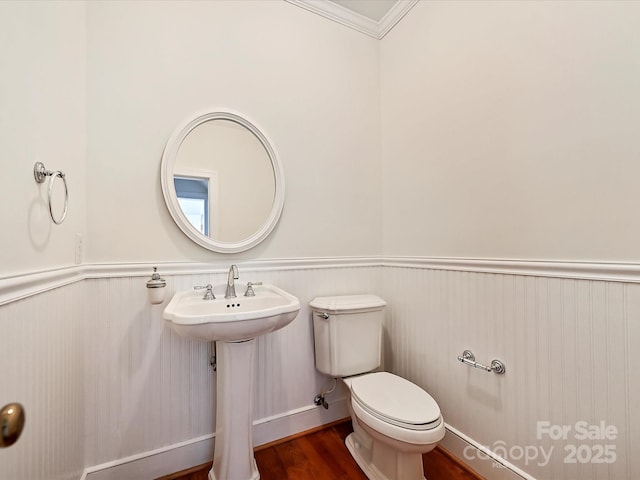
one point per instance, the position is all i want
(354, 20)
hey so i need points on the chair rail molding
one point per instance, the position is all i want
(583, 270)
(22, 285)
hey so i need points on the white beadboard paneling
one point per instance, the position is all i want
(148, 388)
(104, 380)
(42, 367)
(631, 434)
(566, 344)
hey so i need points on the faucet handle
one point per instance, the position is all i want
(209, 294)
(250, 292)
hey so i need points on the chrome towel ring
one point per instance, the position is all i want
(40, 173)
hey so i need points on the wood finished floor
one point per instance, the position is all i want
(322, 455)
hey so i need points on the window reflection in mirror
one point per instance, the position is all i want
(193, 197)
(197, 192)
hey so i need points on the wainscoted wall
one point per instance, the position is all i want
(147, 387)
(568, 345)
(107, 386)
(42, 359)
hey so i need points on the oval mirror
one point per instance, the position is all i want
(222, 182)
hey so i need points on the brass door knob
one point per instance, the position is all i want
(11, 424)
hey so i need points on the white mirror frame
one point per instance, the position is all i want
(171, 198)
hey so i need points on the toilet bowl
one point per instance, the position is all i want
(394, 420)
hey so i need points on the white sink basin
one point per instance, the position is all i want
(231, 319)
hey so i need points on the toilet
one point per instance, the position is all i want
(394, 420)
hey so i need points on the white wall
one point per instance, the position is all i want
(42, 118)
(112, 80)
(455, 117)
(312, 85)
(509, 130)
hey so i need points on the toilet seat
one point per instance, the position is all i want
(396, 400)
(396, 407)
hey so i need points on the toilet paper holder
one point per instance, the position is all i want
(470, 359)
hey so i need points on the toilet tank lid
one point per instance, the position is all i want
(347, 303)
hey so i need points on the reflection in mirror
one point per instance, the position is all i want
(193, 197)
(222, 182)
(228, 151)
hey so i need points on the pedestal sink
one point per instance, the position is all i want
(234, 323)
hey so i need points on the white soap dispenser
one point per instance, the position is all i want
(155, 287)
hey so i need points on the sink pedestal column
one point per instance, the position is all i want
(233, 452)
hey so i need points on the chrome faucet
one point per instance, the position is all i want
(231, 288)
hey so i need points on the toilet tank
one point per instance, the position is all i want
(347, 332)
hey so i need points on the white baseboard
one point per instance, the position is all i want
(156, 463)
(479, 458)
(295, 421)
(183, 455)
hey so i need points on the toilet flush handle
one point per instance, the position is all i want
(323, 315)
